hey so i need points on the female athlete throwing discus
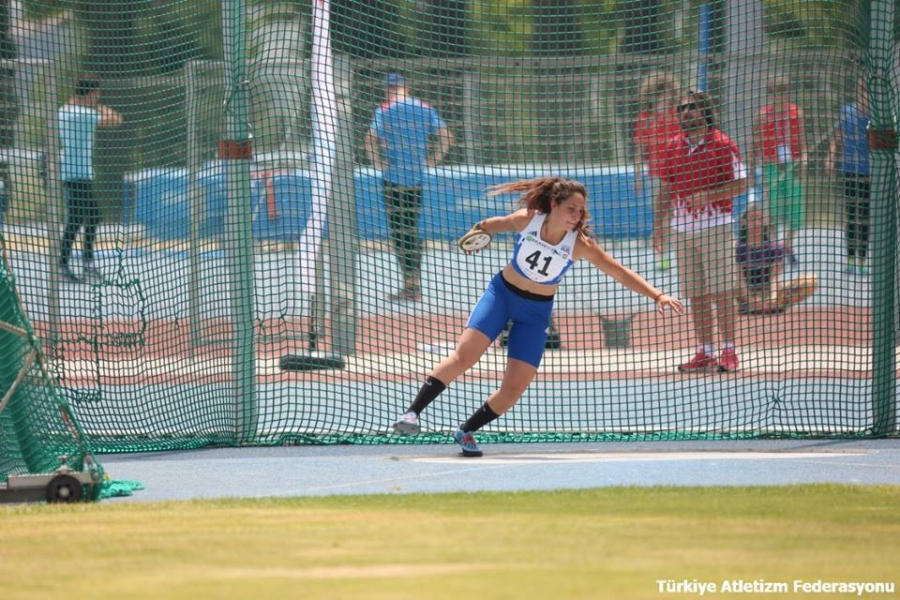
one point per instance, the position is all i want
(552, 235)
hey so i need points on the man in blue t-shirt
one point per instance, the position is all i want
(79, 119)
(405, 138)
(848, 156)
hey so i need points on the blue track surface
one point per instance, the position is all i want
(340, 470)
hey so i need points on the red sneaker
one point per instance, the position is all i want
(729, 361)
(701, 362)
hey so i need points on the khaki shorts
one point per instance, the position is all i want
(706, 264)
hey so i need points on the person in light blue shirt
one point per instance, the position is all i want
(78, 120)
(848, 157)
(405, 138)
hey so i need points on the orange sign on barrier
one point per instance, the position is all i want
(235, 150)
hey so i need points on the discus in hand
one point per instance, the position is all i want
(475, 240)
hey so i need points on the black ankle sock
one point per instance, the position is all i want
(430, 390)
(479, 419)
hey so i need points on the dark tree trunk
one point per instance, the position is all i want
(641, 26)
(113, 56)
(557, 30)
(367, 28)
(111, 51)
(444, 32)
(8, 105)
(558, 96)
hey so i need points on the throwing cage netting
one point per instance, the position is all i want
(244, 286)
(38, 429)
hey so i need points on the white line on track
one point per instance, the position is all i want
(511, 459)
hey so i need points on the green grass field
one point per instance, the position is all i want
(604, 543)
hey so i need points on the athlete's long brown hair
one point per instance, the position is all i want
(538, 193)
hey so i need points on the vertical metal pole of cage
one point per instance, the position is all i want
(55, 210)
(236, 152)
(192, 80)
(883, 154)
(343, 243)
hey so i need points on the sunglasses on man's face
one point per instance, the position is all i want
(688, 106)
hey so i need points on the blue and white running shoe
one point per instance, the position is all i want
(468, 443)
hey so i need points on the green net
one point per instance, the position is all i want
(38, 431)
(254, 242)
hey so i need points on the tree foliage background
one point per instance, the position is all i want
(148, 37)
(139, 47)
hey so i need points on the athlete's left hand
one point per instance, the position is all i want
(672, 303)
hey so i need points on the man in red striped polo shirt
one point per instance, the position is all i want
(701, 174)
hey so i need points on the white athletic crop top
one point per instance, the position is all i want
(535, 259)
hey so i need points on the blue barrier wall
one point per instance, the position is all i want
(281, 204)
(453, 199)
(161, 202)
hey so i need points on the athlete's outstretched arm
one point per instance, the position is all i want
(597, 256)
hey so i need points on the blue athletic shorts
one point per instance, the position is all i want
(530, 316)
